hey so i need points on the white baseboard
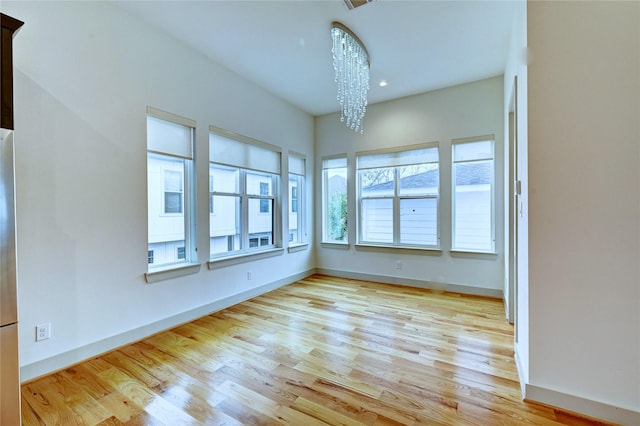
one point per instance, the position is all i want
(587, 407)
(432, 285)
(74, 356)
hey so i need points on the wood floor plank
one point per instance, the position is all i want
(323, 350)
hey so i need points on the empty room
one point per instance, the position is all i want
(320, 212)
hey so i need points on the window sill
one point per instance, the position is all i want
(339, 246)
(222, 262)
(432, 251)
(473, 254)
(297, 247)
(171, 271)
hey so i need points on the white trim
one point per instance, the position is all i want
(167, 116)
(335, 245)
(429, 285)
(57, 362)
(243, 258)
(582, 406)
(297, 247)
(245, 139)
(171, 271)
(383, 248)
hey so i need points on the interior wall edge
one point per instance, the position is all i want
(63, 360)
(428, 285)
(584, 406)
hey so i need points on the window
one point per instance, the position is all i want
(170, 191)
(398, 197)
(181, 254)
(173, 181)
(334, 200)
(244, 178)
(264, 204)
(297, 170)
(473, 195)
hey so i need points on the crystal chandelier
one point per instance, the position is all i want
(351, 65)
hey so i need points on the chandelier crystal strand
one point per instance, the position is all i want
(351, 66)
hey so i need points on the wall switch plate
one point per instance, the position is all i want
(43, 331)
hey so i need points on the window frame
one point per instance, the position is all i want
(297, 172)
(185, 153)
(397, 197)
(274, 198)
(492, 201)
(341, 162)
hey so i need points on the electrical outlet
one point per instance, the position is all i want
(249, 275)
(43, 331)
(399, 264)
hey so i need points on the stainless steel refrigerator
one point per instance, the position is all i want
(9, 366)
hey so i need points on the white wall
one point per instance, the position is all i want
(584, 210)
(468, 110)
(85, 73)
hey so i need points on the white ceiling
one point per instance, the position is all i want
(285, 47)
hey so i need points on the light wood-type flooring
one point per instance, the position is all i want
(323, 350)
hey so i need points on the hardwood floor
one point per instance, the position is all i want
(323, 350)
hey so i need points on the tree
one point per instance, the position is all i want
(338, 216)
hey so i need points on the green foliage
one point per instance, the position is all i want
(338, 217)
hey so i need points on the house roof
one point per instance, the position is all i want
(476, 173)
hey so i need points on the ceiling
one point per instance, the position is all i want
(285, 46)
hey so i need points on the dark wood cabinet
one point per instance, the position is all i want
(9, 27)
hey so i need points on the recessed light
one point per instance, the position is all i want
(383, 83)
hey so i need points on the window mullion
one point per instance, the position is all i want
(396, 206)
(244, 208)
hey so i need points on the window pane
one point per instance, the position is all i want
(260, 224)
(295, 182)
(224, 179)
(473, 203)
(377, 182)
(335, 210)
(259, 184)
(166, 232)
(377, 220)
(419, 221)
(224, 225)
(419, 179)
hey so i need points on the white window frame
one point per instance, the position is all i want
(297, 172)
(248, 165)
(397, 197)
(329, 163)
(173, 148)
(456, 142)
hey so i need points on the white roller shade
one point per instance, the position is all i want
(469, 151)
(334, 163)
(236, 153)
(296, 164)
(398, 158)
(169, 137)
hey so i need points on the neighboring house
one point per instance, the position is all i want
(419, 216)
(166, 214)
